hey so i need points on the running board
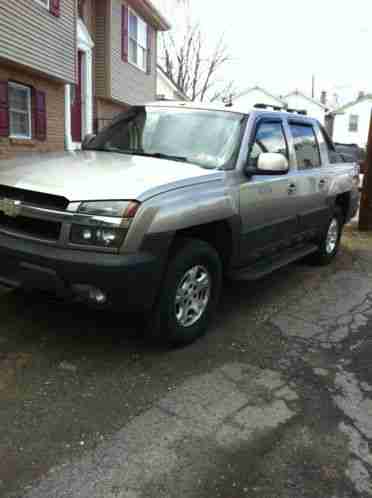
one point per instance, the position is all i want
(269, 264)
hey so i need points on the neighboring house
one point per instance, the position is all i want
(351, 121)
(300, 101)
(257, 95)
(166, 89)
(67, 67)
(37, 59)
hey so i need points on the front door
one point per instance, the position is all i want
(267, 203)
(76, 104)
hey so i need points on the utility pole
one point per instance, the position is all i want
(365, 214)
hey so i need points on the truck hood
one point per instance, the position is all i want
(90, 175)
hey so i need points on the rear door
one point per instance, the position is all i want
(312, 180)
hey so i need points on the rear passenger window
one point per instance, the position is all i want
(306, 146)
(333, 156)
(269, 138)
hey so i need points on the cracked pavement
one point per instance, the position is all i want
(275, 402)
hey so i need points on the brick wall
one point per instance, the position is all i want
(105, 111)
(55, 115)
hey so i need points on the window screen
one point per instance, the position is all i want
(19, 110)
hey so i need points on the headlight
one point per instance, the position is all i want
(117, 209)
(97, 231)
(97, 236)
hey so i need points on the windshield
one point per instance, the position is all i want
(207, 138)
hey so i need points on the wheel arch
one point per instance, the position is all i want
(221, 235)
(343, 202)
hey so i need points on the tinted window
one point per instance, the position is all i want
(269, 138)
(306, 146)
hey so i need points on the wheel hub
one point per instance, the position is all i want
(192, 295)
(332, 236)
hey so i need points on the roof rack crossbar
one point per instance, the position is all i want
(303, 112)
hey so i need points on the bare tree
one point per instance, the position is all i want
(191, 66)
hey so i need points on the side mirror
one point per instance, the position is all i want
(87, 139)
(271, 163)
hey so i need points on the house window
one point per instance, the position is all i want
(137, 30)
(353, 122)
(19, 111)
(44, 3)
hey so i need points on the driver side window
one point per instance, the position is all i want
(269, 138)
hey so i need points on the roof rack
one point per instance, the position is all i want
(269, 106)
(278, 108)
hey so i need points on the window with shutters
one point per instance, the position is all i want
(138, 41)
(19, 111)
(44, 3)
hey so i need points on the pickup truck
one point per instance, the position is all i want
(168, 200)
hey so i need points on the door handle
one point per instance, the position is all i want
(292, 187)
(322, 182)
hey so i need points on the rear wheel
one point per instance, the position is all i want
(330, 240)
(189, 294)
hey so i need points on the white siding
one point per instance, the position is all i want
(341, 131)
(300, 103)
(255, 96)
(30, 35)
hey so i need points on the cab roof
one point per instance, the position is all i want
(235, 108)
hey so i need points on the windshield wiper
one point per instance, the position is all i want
(137, 152)
(160, 155)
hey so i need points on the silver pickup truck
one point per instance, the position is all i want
(165, 202)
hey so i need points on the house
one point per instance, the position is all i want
(37, 60)
(68, 67)
(351, 121)
(166, 89)
(257, 95)
(124, 34)
(300, 101)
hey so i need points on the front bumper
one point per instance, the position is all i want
(130, 281)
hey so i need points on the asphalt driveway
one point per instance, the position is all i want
(276, 401)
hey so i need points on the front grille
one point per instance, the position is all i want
(39, 199)
(43, 229)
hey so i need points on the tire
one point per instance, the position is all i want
(194, 263)
(328, 249)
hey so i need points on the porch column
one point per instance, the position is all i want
(68, 137)
(88, 118)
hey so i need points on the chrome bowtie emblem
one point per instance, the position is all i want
(10, 207)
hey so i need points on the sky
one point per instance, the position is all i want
(279, 44)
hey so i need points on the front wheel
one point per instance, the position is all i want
(330, 240)
(189, 294)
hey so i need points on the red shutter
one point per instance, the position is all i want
(39, 114)
(55, 7)
(150, 47)
(4, 109)
(124, 33)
